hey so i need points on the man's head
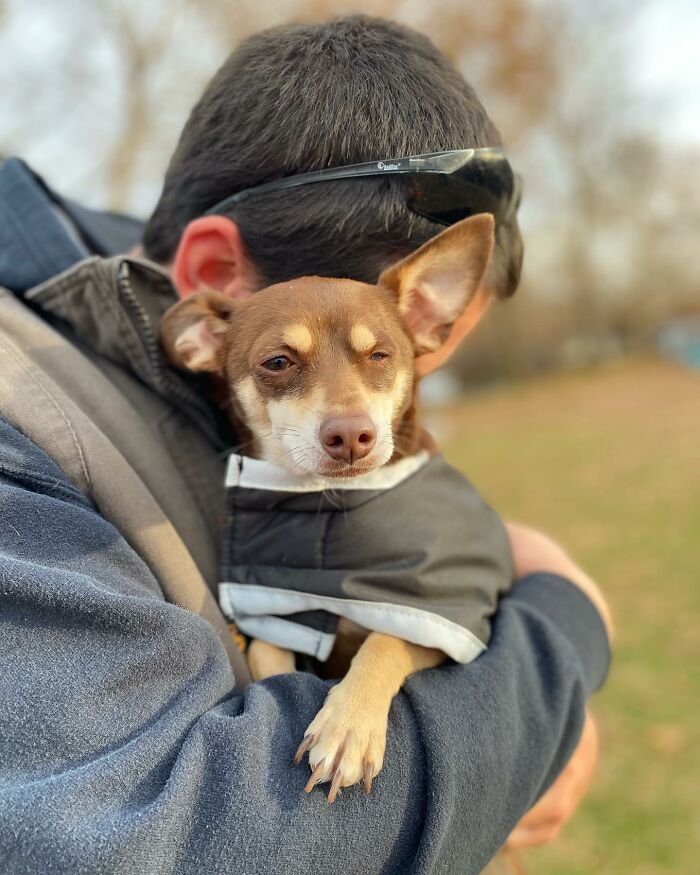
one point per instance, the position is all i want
(306, 97)
(321, 371)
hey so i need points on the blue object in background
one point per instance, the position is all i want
(680, 341)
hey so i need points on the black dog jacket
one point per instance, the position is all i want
(409, 549)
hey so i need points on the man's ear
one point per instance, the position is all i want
(436, 284)
(211, 255)
(192, 331)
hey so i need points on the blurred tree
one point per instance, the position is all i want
(94, 95)
(140, 52)
(147, 53)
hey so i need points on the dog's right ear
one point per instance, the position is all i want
(438, 284)
(192, 331)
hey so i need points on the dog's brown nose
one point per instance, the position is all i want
(348, 438)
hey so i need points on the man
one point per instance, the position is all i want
(129, 743)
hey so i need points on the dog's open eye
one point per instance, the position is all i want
(277, 363)
(379, 356)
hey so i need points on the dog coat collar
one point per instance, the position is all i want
(248, 473)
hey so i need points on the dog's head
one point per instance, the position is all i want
(321, 371)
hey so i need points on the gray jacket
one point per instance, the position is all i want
(409, 549)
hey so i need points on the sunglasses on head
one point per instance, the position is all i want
(442, 186)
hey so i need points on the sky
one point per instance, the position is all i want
(668, 66)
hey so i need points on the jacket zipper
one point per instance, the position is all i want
(194, 406)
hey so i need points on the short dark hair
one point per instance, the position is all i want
(306, 96)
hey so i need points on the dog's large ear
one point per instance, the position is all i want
(192, 331)
(435, 284)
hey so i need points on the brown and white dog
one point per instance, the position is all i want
(322, 378)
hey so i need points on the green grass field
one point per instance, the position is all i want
(608, 462)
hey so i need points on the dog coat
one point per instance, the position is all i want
(409, 549)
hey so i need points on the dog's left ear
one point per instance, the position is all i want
(435, 284)
(192, 331)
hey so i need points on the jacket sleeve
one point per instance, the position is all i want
(125, 749)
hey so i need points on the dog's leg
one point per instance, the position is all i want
(266, 660)
(346, 740)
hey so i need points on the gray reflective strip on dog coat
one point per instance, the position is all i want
(409, 549)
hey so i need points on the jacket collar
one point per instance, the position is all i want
(113, 306)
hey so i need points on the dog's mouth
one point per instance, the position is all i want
(338, 469)
(346, 469)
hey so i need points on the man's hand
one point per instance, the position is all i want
(544, 821)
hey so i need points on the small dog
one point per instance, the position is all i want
(322, 381)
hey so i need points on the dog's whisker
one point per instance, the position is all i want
(289, 452)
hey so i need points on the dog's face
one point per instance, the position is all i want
(321, 371)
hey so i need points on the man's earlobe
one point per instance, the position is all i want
(211, 255)
(435, 285)
(193, 331)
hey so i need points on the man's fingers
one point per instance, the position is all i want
(529, 837)
(551, 810)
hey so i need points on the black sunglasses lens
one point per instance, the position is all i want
(478, 187)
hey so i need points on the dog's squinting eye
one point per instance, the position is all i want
(379, 356)
(277, 363)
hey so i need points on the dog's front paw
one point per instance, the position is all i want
(346, 740)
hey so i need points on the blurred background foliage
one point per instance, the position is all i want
(95, 93)
(576, 426)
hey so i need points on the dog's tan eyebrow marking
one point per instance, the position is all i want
(361, 338)
(298, 337)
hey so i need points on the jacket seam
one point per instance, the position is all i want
(323, 542)
(35, 478)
